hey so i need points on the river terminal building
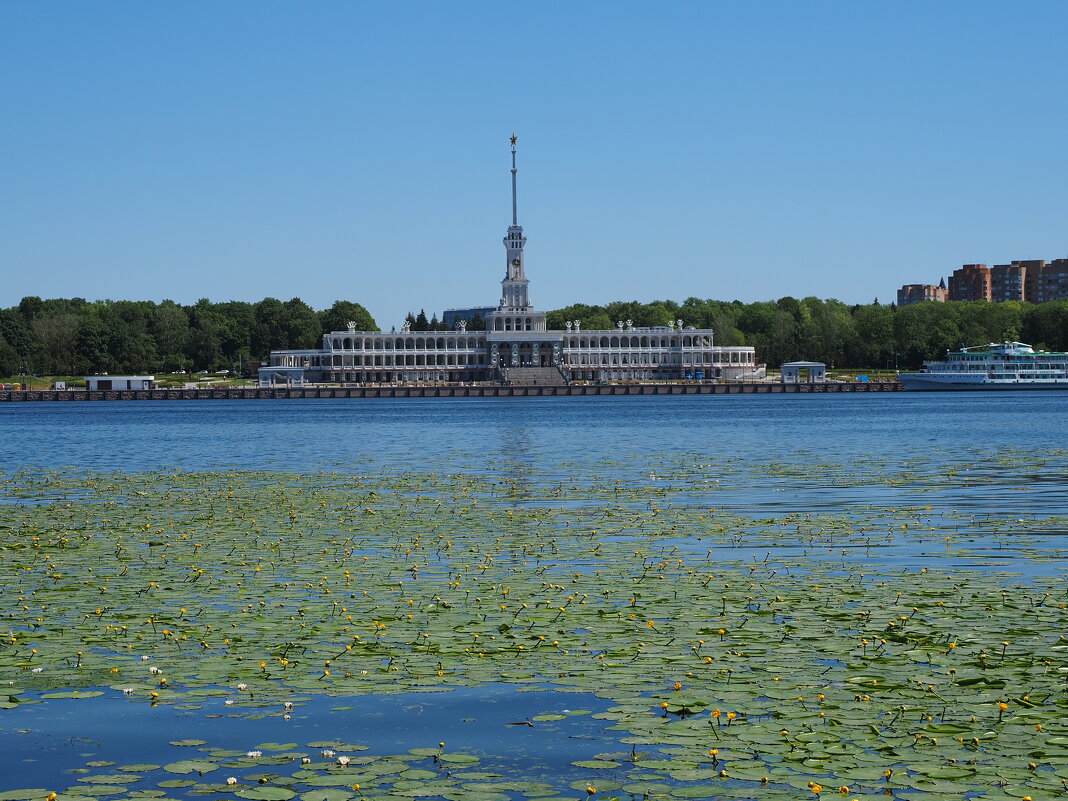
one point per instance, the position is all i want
(516, 347)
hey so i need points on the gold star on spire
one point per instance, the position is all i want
(514, 139)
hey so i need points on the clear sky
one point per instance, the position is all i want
(359, 150)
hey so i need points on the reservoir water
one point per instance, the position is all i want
(737, 438)
(837, 485)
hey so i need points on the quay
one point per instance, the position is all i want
(444, 391)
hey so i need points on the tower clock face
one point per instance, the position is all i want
(515, 262)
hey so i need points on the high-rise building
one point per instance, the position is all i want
(1030, 280)
(1047, 281)
(918, 293)
(1008, 281)
(970, 282)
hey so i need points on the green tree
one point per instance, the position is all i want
(339, 315)
(1046, 325)
(204, 346)
(91, 348)
(170, 329)
(872, 343)
(302, 327)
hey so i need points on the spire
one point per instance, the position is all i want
(515, 218)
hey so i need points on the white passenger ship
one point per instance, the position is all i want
(1006, 365)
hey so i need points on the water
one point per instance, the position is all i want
(758, 455)
(774, 451)
(482, 720)
(539, 433)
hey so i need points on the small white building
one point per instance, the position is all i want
(280, 377)
(108, 383)
(803, 373)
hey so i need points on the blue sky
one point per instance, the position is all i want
(749, 150)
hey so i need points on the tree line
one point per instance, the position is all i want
(841, 335)
(79, 337)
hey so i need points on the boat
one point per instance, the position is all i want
(1005, 365)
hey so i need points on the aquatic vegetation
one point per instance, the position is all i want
(836, 651)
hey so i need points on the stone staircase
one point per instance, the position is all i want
(535, 376)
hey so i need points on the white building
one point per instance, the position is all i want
(95, 383)
(516, 346)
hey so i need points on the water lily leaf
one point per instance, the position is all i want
(99, 789)
(74, 694)
(191, 766)
(418, 773)
(265, 793)
(326, 795)
(595, 764)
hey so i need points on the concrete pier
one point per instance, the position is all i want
(445, 391)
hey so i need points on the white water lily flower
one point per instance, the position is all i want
(242, 687)
(154, 670)
(288, 705)
(305, 760)
(232, 780)
(36, 670)
(254, 753)
(228, 702)
(343, 761)
(144, 658)
(127, 690)
(326, 753)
